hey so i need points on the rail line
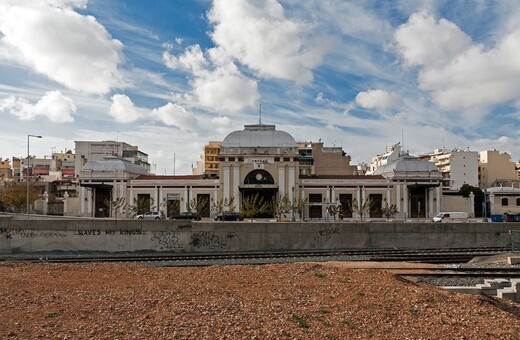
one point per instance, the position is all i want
(451, 255)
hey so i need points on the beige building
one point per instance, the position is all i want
(6, 172)
(496, 168)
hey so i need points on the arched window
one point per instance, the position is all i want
(259, 177)
(505, 202)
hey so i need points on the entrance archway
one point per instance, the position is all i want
(259, 182)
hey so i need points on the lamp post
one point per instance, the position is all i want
(28, 177)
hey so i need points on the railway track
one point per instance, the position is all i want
(458, 255)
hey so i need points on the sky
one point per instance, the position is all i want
(171, 75)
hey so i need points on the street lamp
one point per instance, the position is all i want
(28, 177)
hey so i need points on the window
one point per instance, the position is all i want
(505, 202)
(518, 202)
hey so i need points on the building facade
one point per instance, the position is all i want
(496, 168)
(457, 166)
(260, 161)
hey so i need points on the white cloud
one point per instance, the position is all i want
(258, 35)
(216, 82)
(54, 40)
(54, 105)
(423, 41)
(457, 73)
(173, 114)
(123, 109)
(375, 99)
(221, 124)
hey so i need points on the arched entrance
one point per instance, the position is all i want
(259, 182)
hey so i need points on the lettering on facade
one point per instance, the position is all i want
(132, 232)
(167, 240)
(184, 227)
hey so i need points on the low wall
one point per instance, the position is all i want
(39, 235)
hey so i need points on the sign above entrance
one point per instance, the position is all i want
(261, 160)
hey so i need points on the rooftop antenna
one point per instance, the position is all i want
(260, 115)
(402, 140)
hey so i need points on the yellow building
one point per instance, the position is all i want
(495, 168)
(211, 158)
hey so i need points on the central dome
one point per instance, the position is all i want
(259, 135)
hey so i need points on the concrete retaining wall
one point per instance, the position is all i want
(185, 236)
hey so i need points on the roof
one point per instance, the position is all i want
(503, 190)
(178, 177)
(259, 135)
(407, 164)
(114, 164)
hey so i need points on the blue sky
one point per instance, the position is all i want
(169, 76)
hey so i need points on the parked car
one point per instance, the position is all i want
(151, 215)
(229, 216)
(185, 216)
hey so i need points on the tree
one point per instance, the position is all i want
(280, 206)
(15, 195)
(467, 189)
(223, 205)
(116, 205)
(389, 210)
(363, 208)
(141, 205)
(254, 205)
(334, 209)
(196, 206)
(300, 205)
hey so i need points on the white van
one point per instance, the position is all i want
(452, 216)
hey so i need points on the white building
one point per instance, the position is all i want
(458, 167)
(94, 151)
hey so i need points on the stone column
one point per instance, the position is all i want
(472, 202)
(225, 182)
(45, 201)
(491, 204)
(405, 200)
(281, 181)
(236, 183)
(82, 200)
(66, 204)
(439, 197)
(398, 196)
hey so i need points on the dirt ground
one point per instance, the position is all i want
(278, 301)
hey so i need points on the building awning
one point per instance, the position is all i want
(423, 185)
(268, 188)
(96, 185)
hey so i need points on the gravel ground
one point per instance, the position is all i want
(273, 301)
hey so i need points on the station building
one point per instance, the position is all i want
(260, 160)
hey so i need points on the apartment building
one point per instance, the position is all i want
(211, 158)
(457, 166)
(97, 150)
(318, 160)
(5, 169)
(496, 168)
(391, 154)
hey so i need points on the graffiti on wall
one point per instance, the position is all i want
(326, 234)
(24, 233)
(167, 240)
(209, 239)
